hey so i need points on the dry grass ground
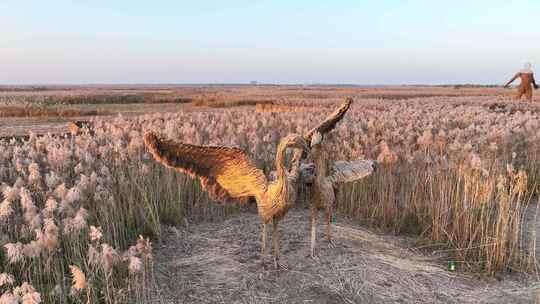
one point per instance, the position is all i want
(22, 108)
(220, 263)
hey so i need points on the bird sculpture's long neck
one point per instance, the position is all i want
(281, 170)
(275, 201)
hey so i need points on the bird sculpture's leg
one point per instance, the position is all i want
(264, 241)
(314, 220)
(275, 241)
(327, 216)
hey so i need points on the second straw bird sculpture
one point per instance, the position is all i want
(327, 177)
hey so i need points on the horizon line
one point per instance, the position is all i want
(344, 84)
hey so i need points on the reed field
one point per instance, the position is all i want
(459, 170)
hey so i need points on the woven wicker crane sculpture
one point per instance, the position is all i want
(324, 183)
(228, 173)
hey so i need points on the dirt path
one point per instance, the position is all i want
(220, 263)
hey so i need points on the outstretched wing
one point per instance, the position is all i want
(226, 173)
(344, 172)
(326, 126)
(330, 122)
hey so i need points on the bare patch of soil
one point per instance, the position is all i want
(221, 263)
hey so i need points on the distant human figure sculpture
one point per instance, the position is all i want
(527, 82)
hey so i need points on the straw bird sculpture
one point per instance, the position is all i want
(227, 174)
(326, 180)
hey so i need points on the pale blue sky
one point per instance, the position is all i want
(340, 41)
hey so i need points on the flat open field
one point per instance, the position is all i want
(459, 169)
(109, 101)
